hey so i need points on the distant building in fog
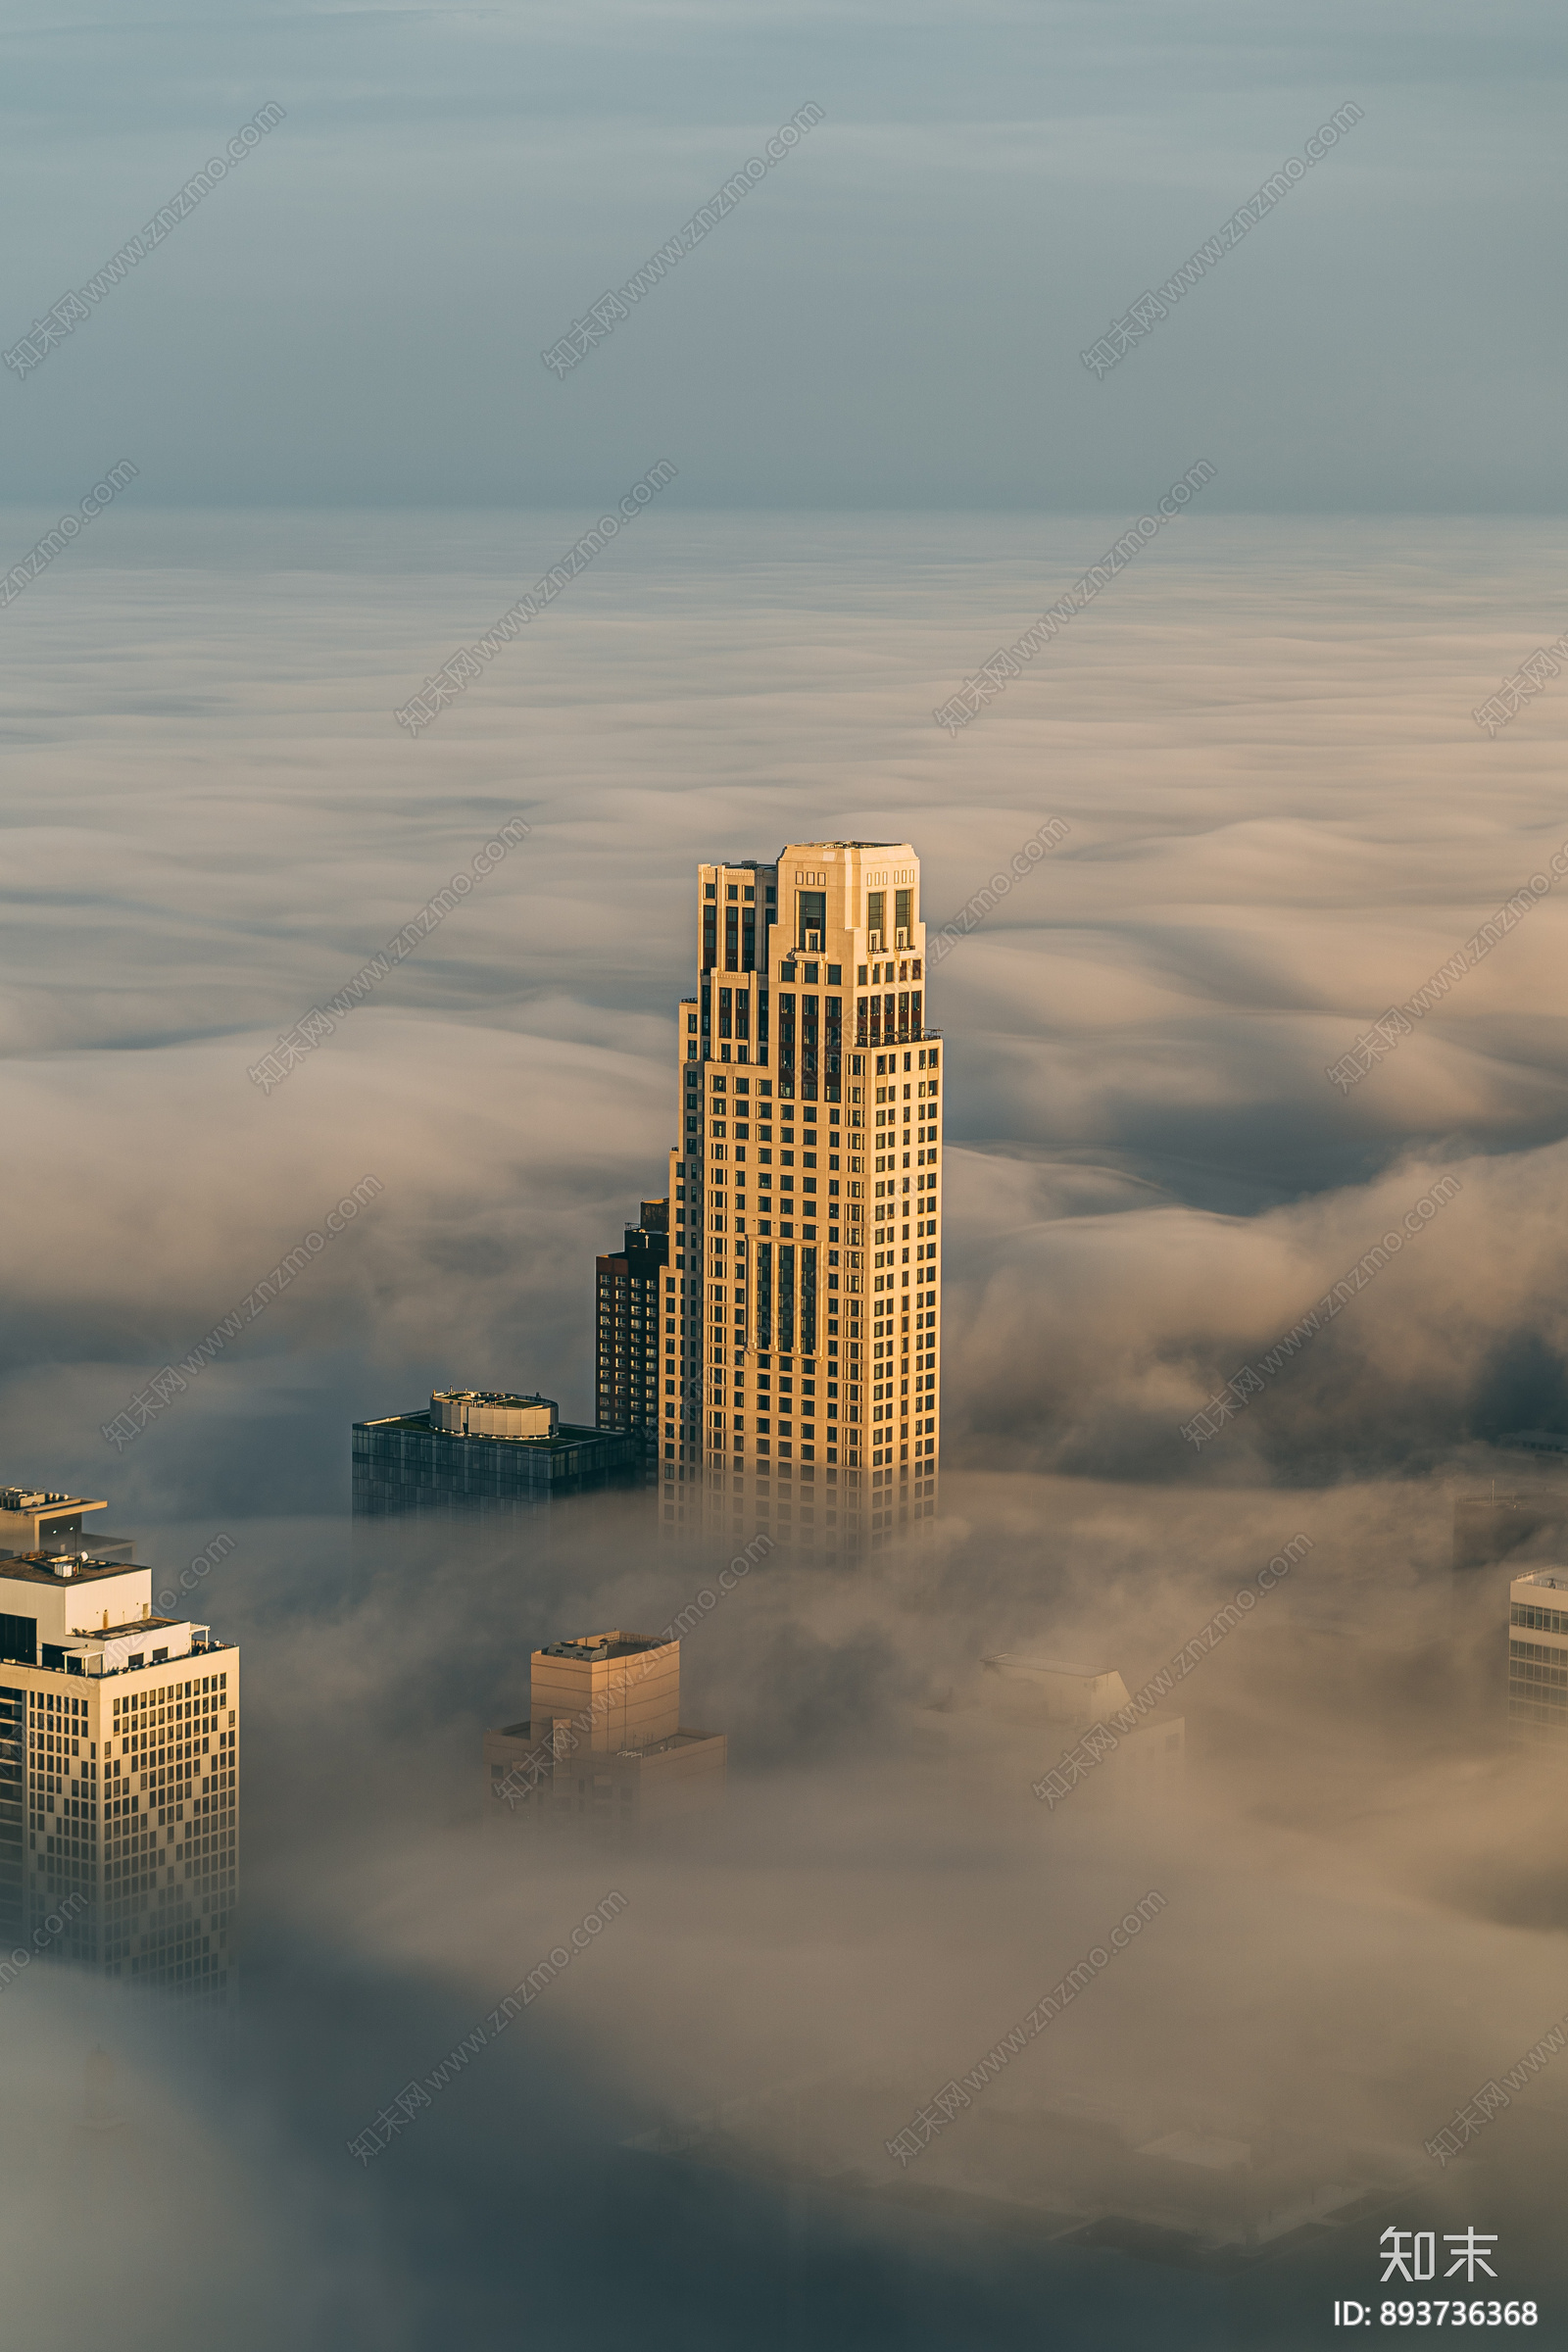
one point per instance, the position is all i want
(1538, 1658)
(119, 1778)
(1487, 1528)
(1073, 1700)
(604, 1748)
(485, 1456)
(1537, 1440)
(31, 1519)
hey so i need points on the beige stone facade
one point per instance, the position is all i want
(802, 1325)
(603, 1750)
(119, 1777)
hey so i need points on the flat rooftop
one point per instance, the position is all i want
(1022, 1662)
(132, 1625)
(39, 1499)
(489, 1396)
(592, 1648)
(684, 1738)
(37, 1567)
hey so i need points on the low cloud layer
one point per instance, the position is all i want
(1152, 1175)
(1282, 819)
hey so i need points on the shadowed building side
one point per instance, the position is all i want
(628, 1298)
(487, 1457)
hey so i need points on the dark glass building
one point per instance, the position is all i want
(487, 1455)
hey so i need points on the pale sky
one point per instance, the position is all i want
(894, 317)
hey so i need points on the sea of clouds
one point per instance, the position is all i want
(1282, 818)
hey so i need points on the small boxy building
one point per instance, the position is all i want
(1071, 1700)
(603, 1750)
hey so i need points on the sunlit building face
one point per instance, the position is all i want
(801, 1336)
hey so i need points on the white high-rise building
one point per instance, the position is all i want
(119, 1777)
(1538, 1659)
(802, 1333)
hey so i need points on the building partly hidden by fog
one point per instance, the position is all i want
(627, 1352)
(1490, 1528)
(1072, 1702)
(487, 1455)
(800, 1380)
(119, 1778)
(604, 1751)
(1538, 1660)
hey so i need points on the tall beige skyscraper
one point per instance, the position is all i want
(801, 1334)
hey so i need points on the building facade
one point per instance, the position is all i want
(1538, 1660)
(603, 1750)
(629, 1294)
(119, 1778)
(802, 1325)
(486, 1456)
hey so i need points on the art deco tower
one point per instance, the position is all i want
(801, 1300)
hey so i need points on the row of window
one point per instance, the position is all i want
(1538, 1707)
(170, 1698)
(741, 1112)
(813, 903)
(1555, 1678)
(1543, 1621)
